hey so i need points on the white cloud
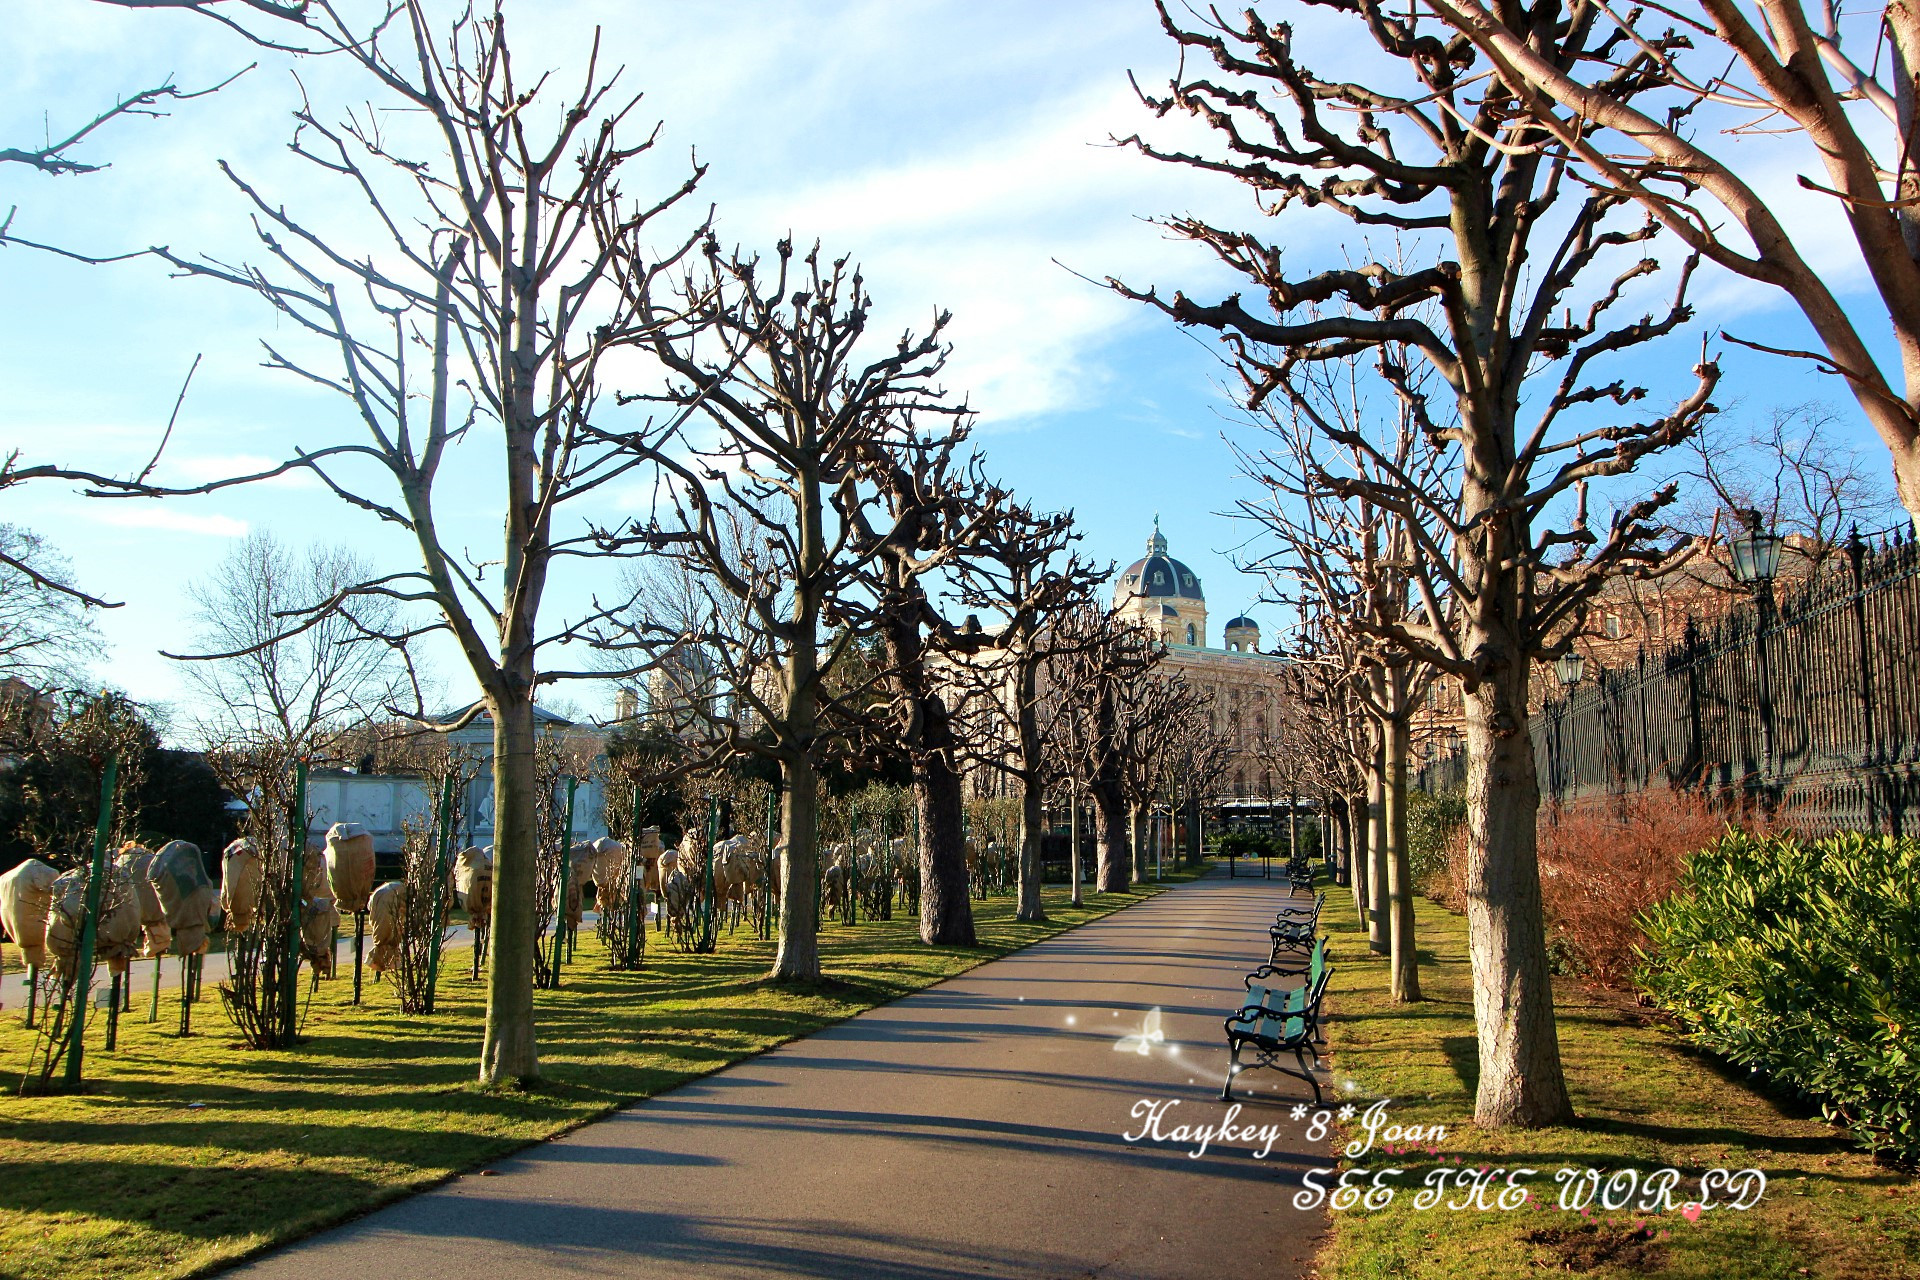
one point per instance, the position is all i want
(169, 518)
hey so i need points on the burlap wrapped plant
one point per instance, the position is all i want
(117, 937)
(137, 860)
(386, 911)
(350, 865)
(179, 875)
(473, 883)
(242, 872)
(25, 893)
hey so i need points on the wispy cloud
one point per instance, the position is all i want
(170, 518)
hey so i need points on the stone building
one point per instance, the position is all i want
(1248, 686)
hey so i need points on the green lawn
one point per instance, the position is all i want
(1646, 1100)
(187, 1154)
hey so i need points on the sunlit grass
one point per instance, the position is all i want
(1645, 1101)
(185, 1154)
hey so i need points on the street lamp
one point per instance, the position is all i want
(1756, 559)
(1570, 666)
(1756, 553)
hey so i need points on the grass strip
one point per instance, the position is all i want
(184, 1155)
(1646, 1100)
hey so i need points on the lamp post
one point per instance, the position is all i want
(1571, 667)
(1756, 560)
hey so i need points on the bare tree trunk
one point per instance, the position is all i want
(1032, 826)
(1116, 859)
(1377, 941)
(1357, 853)
(1032, 796)
(1521, 1082)
(1335, 823)
(1133, 839)
(1405, 985)
(946, 909)
(507, 1050)
(798, 955)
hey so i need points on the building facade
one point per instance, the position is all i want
(1248, 687)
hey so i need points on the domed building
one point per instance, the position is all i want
(1164, 593)
(1249, 693)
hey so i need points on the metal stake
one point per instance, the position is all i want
(83, 970)
(440, 889)
(560, 907)
(290, 997)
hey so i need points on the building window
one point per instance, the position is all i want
(1189, 633)
(1159, 578)
(1613, 626)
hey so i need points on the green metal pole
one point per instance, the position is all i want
(440, 889)
(153, 1009)
(83, 970)
(297, 899)
(560, 907)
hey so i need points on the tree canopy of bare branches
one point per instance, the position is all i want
(290, 694)
(1511, 273)
(1027, 576)
(45, 634)
(1629, 100)
(508, 273)
(761, 509)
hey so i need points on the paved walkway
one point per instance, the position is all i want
(973, 1129)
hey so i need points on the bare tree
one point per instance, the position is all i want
(46, 636)
(1802, 68)
(1157, 714)
(509, 274)
(1511, 242)
(1028, 577)
(1102, 671)
(1194, 759)
(776, 371)
(1355, 562)
(1808, 485)
(935, 514)
(292, 693)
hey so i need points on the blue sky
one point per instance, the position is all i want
(955, 149)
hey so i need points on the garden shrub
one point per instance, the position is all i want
(1802, 960)
(1246, 844)
(1434, 819)
(1603, 862)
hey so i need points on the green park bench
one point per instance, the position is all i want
(1275, 1022)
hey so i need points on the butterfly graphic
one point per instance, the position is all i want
(1143, 1040)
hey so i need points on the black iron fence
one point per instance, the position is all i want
(1810, 706)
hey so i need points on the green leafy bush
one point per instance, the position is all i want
(1433, 818)
(1802, 961)
(1246, 844)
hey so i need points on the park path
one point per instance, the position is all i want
(972, 1129)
